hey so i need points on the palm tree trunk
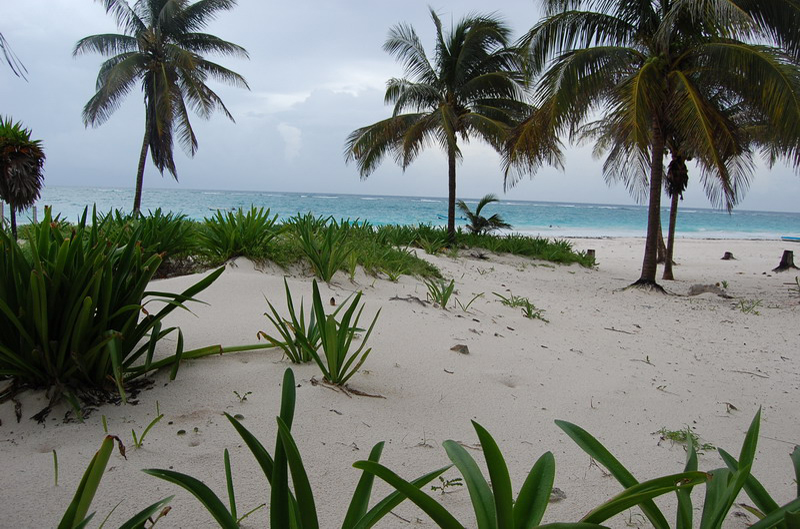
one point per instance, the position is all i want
(673, 219)
(137, 198)
(13, 222)
(451, 197)
(649, 264)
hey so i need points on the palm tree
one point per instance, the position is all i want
(21, 163)
(17, 68)
(162, 50)
(473, 87)
(658, 70)
(479, 224)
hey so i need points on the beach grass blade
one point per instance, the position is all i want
(439, 291)
(644, 492)
(479, 491)
(534, 496)
(685, 512)
(200, 491)
(432, 508)
(599, 453)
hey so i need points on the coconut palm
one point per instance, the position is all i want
(21, 163)
(17, 68)
(477, 222)
(163, 51)
(664, 69)
(473, 87)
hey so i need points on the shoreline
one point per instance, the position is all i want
(622, 364)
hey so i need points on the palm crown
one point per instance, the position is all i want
(691, 76)
(472, 87)
(162, 49)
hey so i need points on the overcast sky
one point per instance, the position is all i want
(317, 71)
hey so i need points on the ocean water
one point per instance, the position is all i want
(548, 219)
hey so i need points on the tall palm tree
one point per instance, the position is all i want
(21, 163)
(473, 87)
(162, 50)
(664, 69)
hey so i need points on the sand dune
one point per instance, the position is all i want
(621, 363)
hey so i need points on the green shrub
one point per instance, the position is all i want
(439, 291)
(228, 235)
(324, 242)
(72, 305)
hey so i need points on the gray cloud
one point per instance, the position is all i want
(317, 71)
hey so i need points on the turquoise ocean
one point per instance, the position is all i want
(548, 219)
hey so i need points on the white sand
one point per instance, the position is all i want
(622, 364)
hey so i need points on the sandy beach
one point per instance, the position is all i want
(623, 364)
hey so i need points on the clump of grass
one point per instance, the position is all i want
(529, 310)
(298, 339)
(465, 306)
(233, 234)
(684, 437)
(439, 291)
(749, 306)
(324, 242)
(138, 441)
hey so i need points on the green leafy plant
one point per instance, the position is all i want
(724, 284)
(479, 224)
(76, 516)
(291, 506)
(494, 505)
(750, 306)
(324, 243)
(336, 337)
(530, 311)
(139, 441)
(722, 485)
(72, 305)
(446, 484)
(227, 235)
(439, 291)
(242, 396)
(684, 437)
(297, 338)
(465, 307)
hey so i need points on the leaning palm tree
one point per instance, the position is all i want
(478, 223)
(162, 50)
(473, 87)
(663, 69)
(21, 163)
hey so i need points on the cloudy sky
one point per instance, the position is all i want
(317, 71)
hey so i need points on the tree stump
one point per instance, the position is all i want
(728, 257)
(787, 262)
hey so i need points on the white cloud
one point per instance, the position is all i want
(293, 139)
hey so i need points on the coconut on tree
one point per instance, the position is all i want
(162, 51)
(21, 165)
(472, 87)
(664, 69)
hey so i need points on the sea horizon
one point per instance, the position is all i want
(553, 219)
